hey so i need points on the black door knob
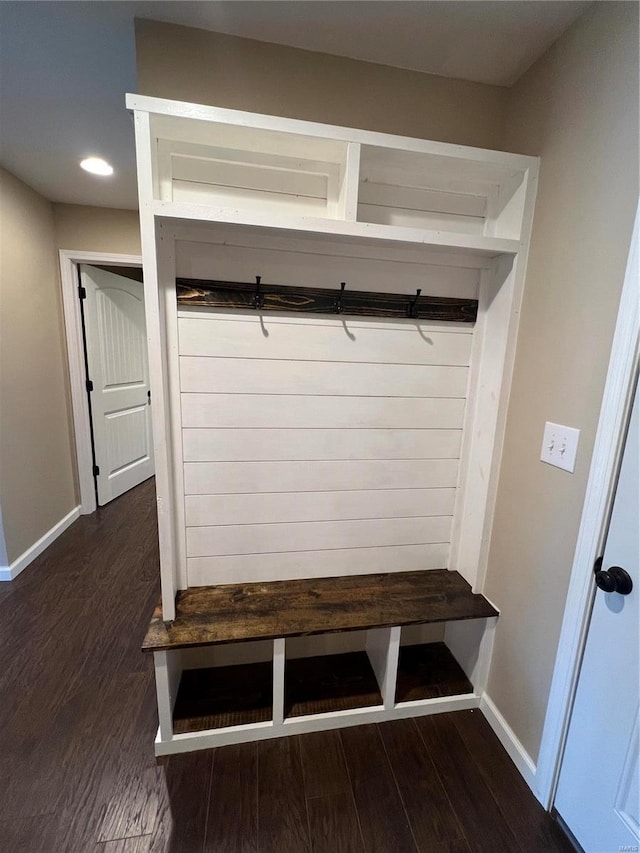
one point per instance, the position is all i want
(614, 579)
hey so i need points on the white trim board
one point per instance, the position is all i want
(205, 113)
(8, 573)
(191, 741)
(516, 751)
(69, 261)
(598, 499)
(4, 559)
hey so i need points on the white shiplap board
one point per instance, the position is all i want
(293, 411)
(317, 446)
(321, 378)
(315, 535)
(207, 478)
(274, 507)
(247, 568)
(411, 343)
(287, 445)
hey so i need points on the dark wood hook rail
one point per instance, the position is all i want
(317, 300)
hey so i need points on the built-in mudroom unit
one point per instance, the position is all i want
(332, 316)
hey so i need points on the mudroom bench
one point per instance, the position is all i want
(258, 660)
(331, 316)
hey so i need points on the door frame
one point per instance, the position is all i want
(605, 461)
(70, 261)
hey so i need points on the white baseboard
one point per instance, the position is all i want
(517, 753)
(8, 573)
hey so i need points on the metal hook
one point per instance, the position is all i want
(411, 308)
(257, 298)
(343, 284)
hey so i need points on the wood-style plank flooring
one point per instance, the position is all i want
(78, 719)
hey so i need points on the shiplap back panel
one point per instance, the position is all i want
(314, 446)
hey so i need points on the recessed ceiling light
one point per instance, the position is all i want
(97, 166)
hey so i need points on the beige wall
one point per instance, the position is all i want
(211, 68)
(577, 108)
(97, 229)
(36, 479)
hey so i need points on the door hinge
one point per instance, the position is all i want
(96, 470)
(89, 385)
(82, 292)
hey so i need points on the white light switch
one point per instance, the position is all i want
(560, 445)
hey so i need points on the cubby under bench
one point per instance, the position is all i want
(252, 661)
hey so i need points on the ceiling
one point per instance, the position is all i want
(65, 66)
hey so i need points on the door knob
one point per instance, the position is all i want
(614, 579)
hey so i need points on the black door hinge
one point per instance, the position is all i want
(82, 292)
(96, 470)
(89, 385)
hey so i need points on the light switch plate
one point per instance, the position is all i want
(559, 446)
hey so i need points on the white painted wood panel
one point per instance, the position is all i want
(315, 535)
(211, 478)
(422, 199)
(233, 375)
(411, 344)
(382, 650)
(246, 144)
(271, 177)
(257, 445)
(409, 218)
(247, 568)
(202, 510)
(415, 206)
(197, 193)
(300, 412)
(234, 255)
(348, 323)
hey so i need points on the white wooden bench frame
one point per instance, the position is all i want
(502, 261)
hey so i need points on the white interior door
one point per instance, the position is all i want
(598, 795)
(119, 375)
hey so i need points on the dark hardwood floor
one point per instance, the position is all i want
(78, 719)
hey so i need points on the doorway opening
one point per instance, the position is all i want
(103, 299)
(117, 377)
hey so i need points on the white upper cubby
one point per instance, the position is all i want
(212, 164)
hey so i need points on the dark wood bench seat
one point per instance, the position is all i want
(233, 613)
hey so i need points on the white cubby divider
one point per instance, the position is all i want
(383, 649)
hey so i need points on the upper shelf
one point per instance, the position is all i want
(209, 164)
(349, 232)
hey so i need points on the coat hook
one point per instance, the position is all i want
(411, 308)
(257, 298)
(343, 284)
